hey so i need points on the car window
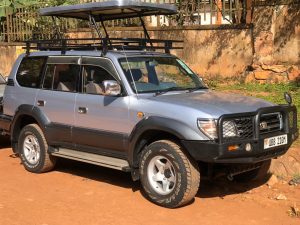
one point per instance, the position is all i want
(61, 77)
(93, 77)
(29, 72)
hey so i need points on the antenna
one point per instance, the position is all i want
(131, 75)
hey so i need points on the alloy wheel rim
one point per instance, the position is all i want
(31, 149)
(161, 175)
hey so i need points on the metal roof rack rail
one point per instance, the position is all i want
(104, 11)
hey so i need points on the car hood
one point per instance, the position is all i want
(214, 103)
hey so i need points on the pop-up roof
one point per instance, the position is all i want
(100, 12)
(110, 10)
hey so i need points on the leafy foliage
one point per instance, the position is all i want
(60, 2)
(12, 5)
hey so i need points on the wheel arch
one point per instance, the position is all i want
(26, 114)
(153, 129)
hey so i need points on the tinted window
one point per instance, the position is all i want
(93, 76)
(29, 72)
(61, 77)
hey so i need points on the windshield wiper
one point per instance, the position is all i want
(190, 90)
(161, 92)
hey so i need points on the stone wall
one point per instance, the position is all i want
(277, 44)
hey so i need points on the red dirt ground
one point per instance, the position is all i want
(76, 193)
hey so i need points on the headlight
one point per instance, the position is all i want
(229, 129)
(209, 128)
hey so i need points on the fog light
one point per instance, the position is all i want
(248, 147)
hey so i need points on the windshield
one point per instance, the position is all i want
(2, 80)
(158, 74)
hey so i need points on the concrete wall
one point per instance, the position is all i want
(209, 52)
(8, 54)
(212, 51)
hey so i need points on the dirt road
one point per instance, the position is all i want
(77, 193)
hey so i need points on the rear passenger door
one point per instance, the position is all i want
(101, 122)
(23, 90)
(56, 98)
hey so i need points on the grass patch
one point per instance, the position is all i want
(271, 92)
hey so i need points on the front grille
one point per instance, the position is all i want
(241, 127)
(245, 127)
(270, 123)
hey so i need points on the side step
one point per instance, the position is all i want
(114, 163)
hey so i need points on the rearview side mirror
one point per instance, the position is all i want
(111, 88)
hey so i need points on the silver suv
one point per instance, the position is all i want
(142, 112)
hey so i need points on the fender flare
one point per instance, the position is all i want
(28, 110)
(174, 127)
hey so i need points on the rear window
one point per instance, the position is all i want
(30, 71)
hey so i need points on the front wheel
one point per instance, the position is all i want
(33, 150)
(169, 177)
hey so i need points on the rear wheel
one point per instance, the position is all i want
(33, 150)
(258, 174)
(169, 177)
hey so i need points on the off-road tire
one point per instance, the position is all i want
(258, 174)
(186, 170)
(46, 162)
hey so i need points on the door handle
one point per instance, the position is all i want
(41, 103)
(82, 110)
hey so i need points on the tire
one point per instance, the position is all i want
(169, 177)
(33, 150)
(258, 174)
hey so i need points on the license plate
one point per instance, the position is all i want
(275, 141)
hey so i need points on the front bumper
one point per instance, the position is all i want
(218, 151)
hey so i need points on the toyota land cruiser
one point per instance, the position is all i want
(119, 106)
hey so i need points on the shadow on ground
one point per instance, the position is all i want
(4, 142)
(220, 187)
(97, 173)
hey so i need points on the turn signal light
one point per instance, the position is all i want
(232, 148)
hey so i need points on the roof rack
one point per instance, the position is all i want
(100, 12)
(101, 44)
